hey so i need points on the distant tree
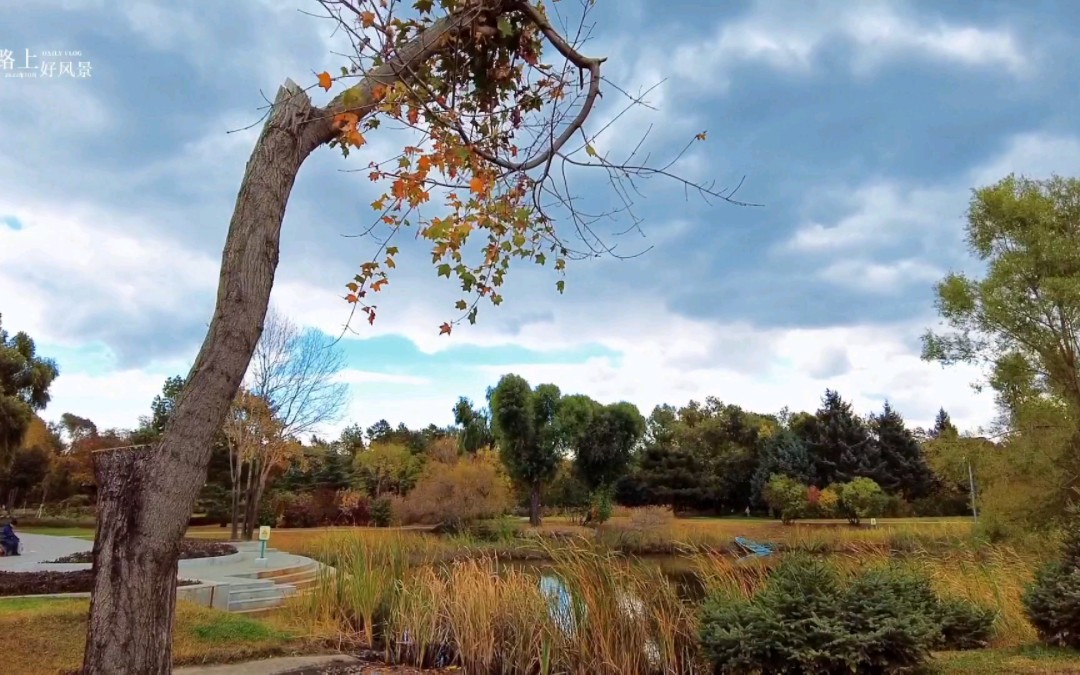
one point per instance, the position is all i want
(783, 454)
(860, 498)
(786, 497)
(604, 453)
(839, 442)
(27, 469)
(164, 404)
(904, 469)
(296, 371)
(380, 431)
(25, 379)
(665, 475)
(943, 426)
(475, 426)
(444, 450)
(474, 488)
(566, 491)
(351, 440)
(523, 422)
(77, 427)
(387, 468)
(259, 447)
(333, 470)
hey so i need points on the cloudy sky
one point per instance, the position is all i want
(860, 128)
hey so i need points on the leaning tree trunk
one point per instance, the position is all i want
(147, 494)
(139, 527)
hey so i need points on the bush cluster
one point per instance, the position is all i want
(855, 500)
(1052, 600)
(807, 619)
(321, 508)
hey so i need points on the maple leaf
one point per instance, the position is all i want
(377, 286)
(367, 19)
(444, 329)
(414, 115)
(350, 298)
(477, 185)
(325, 81)
(700, 136)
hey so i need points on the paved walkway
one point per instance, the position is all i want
(40, 548)
(277, 666)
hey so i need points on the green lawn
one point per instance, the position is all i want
(47, 635)
(1028, 659)
(80, 532)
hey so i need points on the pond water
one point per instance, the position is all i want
(678, 570)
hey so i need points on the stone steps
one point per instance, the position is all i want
(268, 589)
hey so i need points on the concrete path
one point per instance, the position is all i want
(277, 666)
(40, 548)
(239, 582)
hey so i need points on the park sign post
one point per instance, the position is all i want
(264, 536)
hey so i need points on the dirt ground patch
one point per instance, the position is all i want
(189, 548)
(43, 583)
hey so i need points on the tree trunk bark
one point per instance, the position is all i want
(534, 505)
(131, 609)
(146, 496)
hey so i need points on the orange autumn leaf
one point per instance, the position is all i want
(377, 286)
(424, 164)
(325, 81)
(367, 19)
(350, 298)
(355, 138)
(444, 329)
(414, 115)
(346, 120)
(478, 185)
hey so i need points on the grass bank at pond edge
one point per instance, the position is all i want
(48, 635)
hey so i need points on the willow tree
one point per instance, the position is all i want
(503, 142)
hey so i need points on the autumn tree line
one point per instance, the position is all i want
(528, 448)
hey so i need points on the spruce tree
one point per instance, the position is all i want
(839, 442)
(943, 425)
(904, 469)
(783, 454)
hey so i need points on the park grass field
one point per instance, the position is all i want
(46, 636)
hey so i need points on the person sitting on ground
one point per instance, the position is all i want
(8, 539)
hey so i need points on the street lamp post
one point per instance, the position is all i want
(971, 483)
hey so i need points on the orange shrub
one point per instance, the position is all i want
(473, 488)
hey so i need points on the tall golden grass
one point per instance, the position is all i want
(405, 594)
(617, 616)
